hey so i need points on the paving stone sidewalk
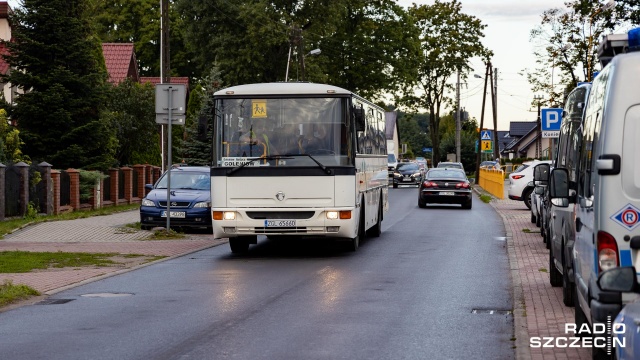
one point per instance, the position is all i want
(98, 234)
(538, 307)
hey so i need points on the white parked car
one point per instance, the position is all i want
(521, 182)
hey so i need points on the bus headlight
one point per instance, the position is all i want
(332, 215)
(229, 215)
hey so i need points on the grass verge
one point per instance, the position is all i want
(10, 293)
(10, 225)
(25, 261)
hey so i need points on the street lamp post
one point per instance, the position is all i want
(607, 6)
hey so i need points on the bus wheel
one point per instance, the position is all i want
(239, 245)
(354, 242)
(376, 230)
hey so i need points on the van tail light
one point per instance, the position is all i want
(429, 184)
(607, 251)
(462, 186)
(516, 177)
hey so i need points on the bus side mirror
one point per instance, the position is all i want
(202, 128)
(358, 114)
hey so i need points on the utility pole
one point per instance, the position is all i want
(538, 128)
(496, 149)
(484, 98)
(165, 76)
(458, 126)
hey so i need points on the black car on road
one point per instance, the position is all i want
(445, 186)
(407, 174)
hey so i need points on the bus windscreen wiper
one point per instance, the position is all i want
(324, 168)
(249, 161)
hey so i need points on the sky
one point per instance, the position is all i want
(509, 23)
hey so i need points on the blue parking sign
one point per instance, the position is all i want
(551, 119)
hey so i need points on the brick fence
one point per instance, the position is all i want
(53, 186)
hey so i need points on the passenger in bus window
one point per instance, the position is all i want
(257, 134)
(318, 142)
(285, 140)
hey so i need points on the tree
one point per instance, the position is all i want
(413, 133)
(365, 44)
(59, 66)
(448, 39)
(138, 22)
(130, 109)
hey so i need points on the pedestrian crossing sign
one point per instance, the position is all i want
(486, 135)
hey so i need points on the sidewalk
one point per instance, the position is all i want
(538, 307)
(98, 234)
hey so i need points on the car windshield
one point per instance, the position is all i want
(521, 167)
(186, 181)
(408, 166)
(445, 173)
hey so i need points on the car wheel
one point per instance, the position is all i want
(533, 218)
(395, 186)
(538, 221)
(239, 245)
(467, 205)
(146, 227)
(421, 203)
(568, 287)
(547, 237)
(580, 317)
(555, 278)
(526, 197)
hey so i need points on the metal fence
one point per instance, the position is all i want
(12, 191)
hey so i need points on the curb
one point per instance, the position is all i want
(520, 325)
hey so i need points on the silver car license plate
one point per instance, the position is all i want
(447, 193)
(279, 223)
(175, 214)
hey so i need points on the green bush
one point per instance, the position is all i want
(88, 181)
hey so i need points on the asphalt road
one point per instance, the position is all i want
(424, 289)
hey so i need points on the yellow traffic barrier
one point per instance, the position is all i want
(492, 181)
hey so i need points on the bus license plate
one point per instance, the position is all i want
(175, 214)
(448, 193)
(279, 223)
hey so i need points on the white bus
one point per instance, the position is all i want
(297, 159)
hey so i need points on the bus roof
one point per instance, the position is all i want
(281, 88)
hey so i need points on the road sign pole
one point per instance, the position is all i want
(170, 105)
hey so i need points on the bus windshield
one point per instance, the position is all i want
(249, 128)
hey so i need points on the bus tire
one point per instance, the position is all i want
(354, 243)
(239, 245)
(376, 230)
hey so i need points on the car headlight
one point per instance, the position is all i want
(147, 202)
(202, 204)
(397, 174)
(417, 174)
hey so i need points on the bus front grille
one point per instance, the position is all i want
(280, 215)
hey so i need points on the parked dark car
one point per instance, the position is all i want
(445, 186)
(190, 199)
(407, 174)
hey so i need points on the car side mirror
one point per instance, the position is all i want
(358, 114)
(541, 173)
(559, 184)
(620, 279)
(148, 186)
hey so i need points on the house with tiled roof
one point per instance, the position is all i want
(121, 63)
(524, 142)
